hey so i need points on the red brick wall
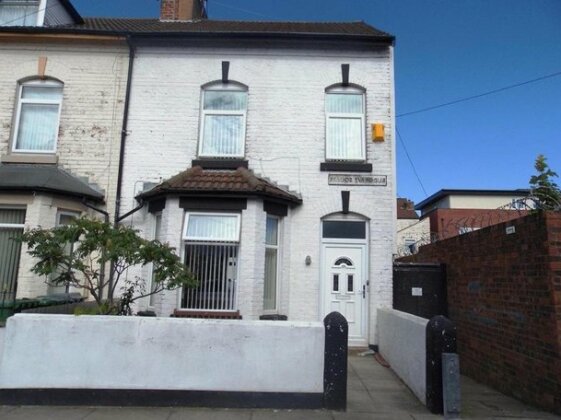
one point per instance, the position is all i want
(445, 223)
(504, 293)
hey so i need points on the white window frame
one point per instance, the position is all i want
(151, 298)
(237, 216)
(21, 101)
(13, 225)
(39, 13)
(279, 259)
(76, 214)
(230, 87)
(353, 116)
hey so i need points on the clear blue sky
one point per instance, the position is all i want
(445, 50)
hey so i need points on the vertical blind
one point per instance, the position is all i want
(223, 123)
(18, 12)
(10, 251)
(345, 126)
(271, 263)
(38, 119)
(215, 268)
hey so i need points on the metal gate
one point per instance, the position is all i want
(420, 289)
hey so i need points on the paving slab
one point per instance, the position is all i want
(291, 415)
(46, 413)
(208, 413)
(128, 413)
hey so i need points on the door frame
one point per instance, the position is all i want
(347, 243)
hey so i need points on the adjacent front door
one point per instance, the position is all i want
(345, 286)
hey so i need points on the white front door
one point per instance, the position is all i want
(345, 286)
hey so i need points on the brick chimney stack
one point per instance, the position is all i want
(183, 10)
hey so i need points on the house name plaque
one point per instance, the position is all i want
(353, 179)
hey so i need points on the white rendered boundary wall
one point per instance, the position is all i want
(109, 352)
(402, 342)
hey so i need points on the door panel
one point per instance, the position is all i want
(343, 285)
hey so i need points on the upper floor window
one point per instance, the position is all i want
(345, 119)
(223, 120)
(37, 116)
(19, 13)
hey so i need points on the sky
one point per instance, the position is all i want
(445, 50)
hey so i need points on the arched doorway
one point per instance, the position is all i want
(344, 273)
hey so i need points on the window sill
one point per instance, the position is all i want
(345, 167)
(30, 158)
(220, 163)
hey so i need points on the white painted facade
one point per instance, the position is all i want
(108, 352)
(285, 142)
(94, 77)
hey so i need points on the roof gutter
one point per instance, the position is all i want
(375, 39)
(124, 129)
(17, 189)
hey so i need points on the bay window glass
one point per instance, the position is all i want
(63, 218)
(19, 12)
(271, 264)
(211, 255)
(223, 120)
(37, 119)
(158, 237)
(212, 227)
(11, 226)
(344, 108)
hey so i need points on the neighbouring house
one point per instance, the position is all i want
(61, 115)
(455, 212)
(411, 231)
(264, 152)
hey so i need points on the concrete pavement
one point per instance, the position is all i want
(374, 392)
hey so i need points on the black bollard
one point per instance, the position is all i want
(441, 338)
(335, 366)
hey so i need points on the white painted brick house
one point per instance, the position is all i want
(61, 111)
(296, 105)
(263, 152)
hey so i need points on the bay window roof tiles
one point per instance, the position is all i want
(239, 182)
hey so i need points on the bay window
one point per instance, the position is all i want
(37, 116)
(157, 237)
(211, 254)
(345, 124)
(11, 226)
(63, 218)
(270, 294)
(223, 121)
